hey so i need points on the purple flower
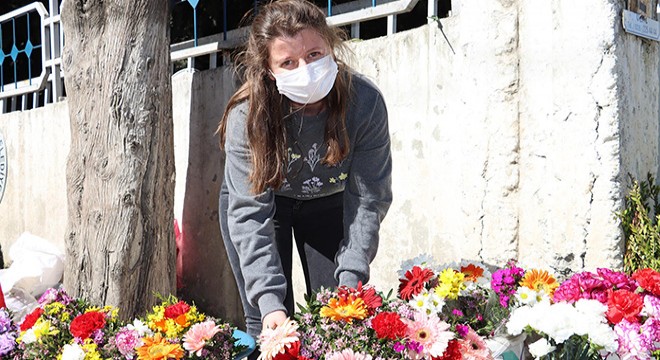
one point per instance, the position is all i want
(97, 336)
(457, 312)
(55, 295)
(7, 343)
(504, 281)
(415, 346)
(6, 323)
(399, 347)
(462, 330)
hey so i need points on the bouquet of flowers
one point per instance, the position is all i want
(65, 328)
(362, 323)
(593, 315)
(460, 294)
(177, 330)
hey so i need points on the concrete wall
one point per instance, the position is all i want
(35, 195)
(514, 125)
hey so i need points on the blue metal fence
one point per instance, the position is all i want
(12, 79)
(40, 81)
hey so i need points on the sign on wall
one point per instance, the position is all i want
(3, 166)
(639, 18)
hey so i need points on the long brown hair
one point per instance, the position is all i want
(265, 119)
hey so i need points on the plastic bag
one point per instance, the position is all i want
(37, 265)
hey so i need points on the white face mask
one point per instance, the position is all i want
(310, 83)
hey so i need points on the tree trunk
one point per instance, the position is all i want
(120, 173)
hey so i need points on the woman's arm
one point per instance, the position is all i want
(250, 222)
(367, 196)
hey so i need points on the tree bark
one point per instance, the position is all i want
(120, 173)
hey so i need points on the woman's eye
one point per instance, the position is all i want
(314, 55)
(287, 63)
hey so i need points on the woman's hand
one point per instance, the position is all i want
(274, 319)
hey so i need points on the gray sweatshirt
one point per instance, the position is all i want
(364, 177)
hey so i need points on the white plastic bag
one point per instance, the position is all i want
(37, 265)
(19, 302)
(498, 345)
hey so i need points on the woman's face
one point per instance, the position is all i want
(288, 53)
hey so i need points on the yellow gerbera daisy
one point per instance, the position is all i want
(158, 348)
(345, 309)
(538, 280)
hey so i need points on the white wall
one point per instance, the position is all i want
(35, 194)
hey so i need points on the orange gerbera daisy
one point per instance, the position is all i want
(472, 272)
(158, 348)
(538, 280)
(345, 308)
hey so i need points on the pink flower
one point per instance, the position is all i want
(430, 332)
(348, 354)
(651, 307)
(617, 279)
(273, 342)
(127, 341)
(473, 347)
(633, 343)
(195, 339)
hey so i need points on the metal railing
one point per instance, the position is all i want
(30, 72)
(35, 89)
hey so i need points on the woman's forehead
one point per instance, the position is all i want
(303, 41)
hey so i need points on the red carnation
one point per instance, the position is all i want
(176, 310)
(388, 325)
(84, 325)
(623, 304)
(31, 318)
(453, 351)
(414, 282)
(290, 352)
(649, 280)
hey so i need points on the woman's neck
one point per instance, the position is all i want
(309, 109)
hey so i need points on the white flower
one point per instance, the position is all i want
(519, 320)
(540, 348)
(591, 308)
(73, 352)
(526, 296)
(427, 302)
(29, 337)
(275, 341)
(591, 321)
(604, 335)
(142, 329)
(557, 320)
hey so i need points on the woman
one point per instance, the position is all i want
(307, 151)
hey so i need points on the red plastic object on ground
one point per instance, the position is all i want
(2, 299)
